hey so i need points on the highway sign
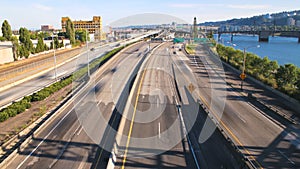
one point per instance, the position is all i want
(243, 76)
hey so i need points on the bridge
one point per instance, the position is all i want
(263, 35)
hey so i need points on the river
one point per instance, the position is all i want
(284, 50)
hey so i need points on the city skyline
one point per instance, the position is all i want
(35, 13)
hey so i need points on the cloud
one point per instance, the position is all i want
(42, 7)
(189, 5)
(247, 6)
(183, 5)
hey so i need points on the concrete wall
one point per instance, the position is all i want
(6, 55)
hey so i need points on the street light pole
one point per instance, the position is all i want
(243, 75)
(88, 57)
(54, 56)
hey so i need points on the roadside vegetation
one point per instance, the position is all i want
(21, 106)
(285, 78)
(23, 46)
(190, 48)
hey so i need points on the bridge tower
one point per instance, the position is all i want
(263, 36)
(195, 30)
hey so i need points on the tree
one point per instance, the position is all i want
(70, 33)
(27, 46)
(34, 35)
(6, 30)
(266, 67)
(56, 43)
(61, 44)
(298, 80)
(2, 39)
(286, 75)
(23, 52)
(40, 47)
(81, 35)
(15, 48)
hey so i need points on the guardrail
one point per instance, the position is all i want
(20, 141)
(112, 158)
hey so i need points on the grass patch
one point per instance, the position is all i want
(190, 49)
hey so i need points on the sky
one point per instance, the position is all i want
(34, 13)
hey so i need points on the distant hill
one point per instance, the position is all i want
(280, 19)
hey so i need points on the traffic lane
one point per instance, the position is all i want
(216, 151)
(165, 129)
(117, 82)
(267, 96)
(236, 106)
(209, 144)
(60, 126)
(18, 91)
(260, 136)
(255, 131)
(101, 105)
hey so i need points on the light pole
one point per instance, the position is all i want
(54, 56)
(88, 57)
(243, 75)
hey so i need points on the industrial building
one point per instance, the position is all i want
(94, 26)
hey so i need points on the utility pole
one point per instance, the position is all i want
(243, 75)
(88, 57)
(195, 30)
(54, 56)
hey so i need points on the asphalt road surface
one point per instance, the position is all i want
(18, 91)
(151, 131)
(266, 142)
(72, 138)
(23, 89)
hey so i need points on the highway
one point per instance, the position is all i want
(179, 111)
(46, 78)
(266, 142)
(71, 139)
(209, 144)
(151, 135)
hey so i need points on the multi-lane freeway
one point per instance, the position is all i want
(37, 78)
(47, 77)
(263, 140)
(67, 140)
(159, 108)
(151, 130)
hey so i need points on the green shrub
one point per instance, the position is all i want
(3, 116)
(28, 98)
(11, 112)
(20, 106)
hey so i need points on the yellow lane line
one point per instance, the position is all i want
(132, 120)
(100, 154)
(231, 133)
(227, 129)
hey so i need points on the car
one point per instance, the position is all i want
(174, 52)
(92, 49)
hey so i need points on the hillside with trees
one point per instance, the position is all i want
(279, 19)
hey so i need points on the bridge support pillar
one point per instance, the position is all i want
(263, 36)
(231, 39)
(299, 39)
(219, 36)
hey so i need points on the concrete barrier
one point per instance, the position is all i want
(32, 130)
(140, 65)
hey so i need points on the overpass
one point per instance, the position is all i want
(263, 35)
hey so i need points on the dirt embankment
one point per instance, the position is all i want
(14, 125)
